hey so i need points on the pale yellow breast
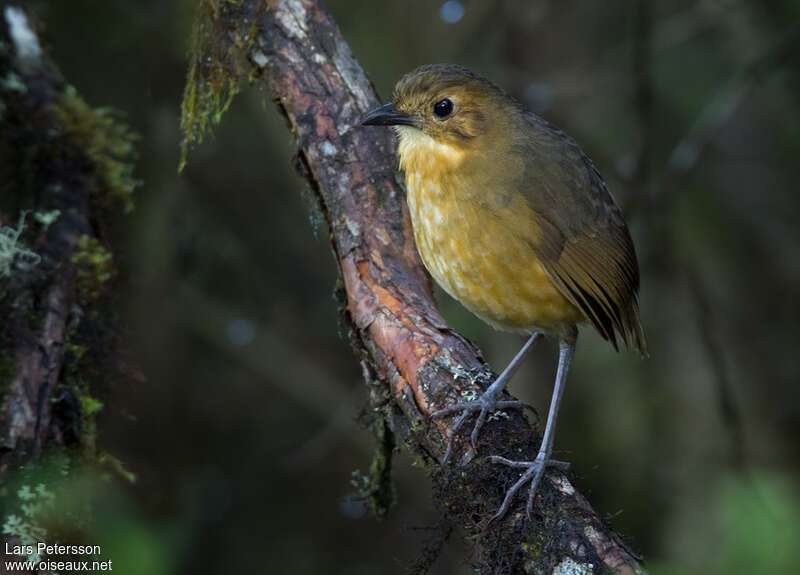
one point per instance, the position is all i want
(488, 267)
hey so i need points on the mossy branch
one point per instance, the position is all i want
(298, 53)
(222, 35)
(70, 166)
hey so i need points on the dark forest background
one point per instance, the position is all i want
(244, 433)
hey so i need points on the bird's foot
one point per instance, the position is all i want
(534, 471)
(484, 405)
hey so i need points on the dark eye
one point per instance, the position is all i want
(443, 108)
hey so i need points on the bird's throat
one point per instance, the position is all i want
(421, 153)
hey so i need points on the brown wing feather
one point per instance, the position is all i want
(585, 246)
(601, 278)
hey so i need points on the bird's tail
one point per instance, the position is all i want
(632, 331)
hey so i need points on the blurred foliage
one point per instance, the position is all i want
(242, 436)
(761, 527)
(756, 526)
(60, 502)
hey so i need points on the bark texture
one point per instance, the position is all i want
(61, 165)
(413, 363)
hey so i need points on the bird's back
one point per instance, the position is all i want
(585, 244)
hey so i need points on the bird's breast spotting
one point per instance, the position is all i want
(481, 263)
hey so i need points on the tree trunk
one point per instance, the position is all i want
(64, 168)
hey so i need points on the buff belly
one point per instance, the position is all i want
(491, 270)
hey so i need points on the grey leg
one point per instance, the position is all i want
(487, 402)
(535, 469)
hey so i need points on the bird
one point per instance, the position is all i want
(514, 221)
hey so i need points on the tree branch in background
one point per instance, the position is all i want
(644, 101)
(413, 363)
(726, 400)
(64, 167)
(726, 102)
(334, 403)
(685, 157)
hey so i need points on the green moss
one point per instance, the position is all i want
(75, 351)
(80, 374)
(108, 143)
(532, 549)
(377, 488)
(382, 495)
(224, 31)
(116, 467)
(90, 407)
(94, 266)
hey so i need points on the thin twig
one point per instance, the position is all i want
(722, 107)
(728, 406)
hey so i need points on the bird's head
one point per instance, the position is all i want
(447, 104)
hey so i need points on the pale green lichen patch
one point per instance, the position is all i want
(46, 219)
(109, 144)
(49, 500)
(12, 249)
(13, 83)
(571, 567)
(224, 32)
(27, 525)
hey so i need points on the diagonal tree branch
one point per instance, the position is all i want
(413, 362)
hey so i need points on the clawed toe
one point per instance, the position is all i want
(534, 471)
(561, 465)
(468, 406)
(484, 405)
(480, 405)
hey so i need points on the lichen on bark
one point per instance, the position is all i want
(13, 250)
(70, 167)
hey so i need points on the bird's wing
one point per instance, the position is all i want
(585, 245)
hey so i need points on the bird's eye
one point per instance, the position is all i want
(443, 108)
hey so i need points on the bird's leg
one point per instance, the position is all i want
(534, 470)
(487, 402)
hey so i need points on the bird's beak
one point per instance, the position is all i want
(387, 115)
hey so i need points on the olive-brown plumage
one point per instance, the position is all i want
(586, 247)
(514, 221)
